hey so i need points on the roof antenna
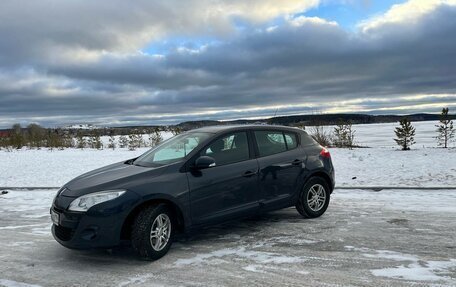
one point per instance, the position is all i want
(276, 112)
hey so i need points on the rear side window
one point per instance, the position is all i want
(229, 149)
(270, 142)
(291, 140)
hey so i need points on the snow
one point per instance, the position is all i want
(373, 166)
(382, 165)
(10, 283)
(382, 135)
(245, 252)
(391, 167)
(55, 168)
(417, 269)
(403, 200)
(137, 280)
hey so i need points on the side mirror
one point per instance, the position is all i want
(204, 162)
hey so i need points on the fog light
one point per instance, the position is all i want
(89, 234)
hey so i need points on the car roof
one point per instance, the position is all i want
(226, 128)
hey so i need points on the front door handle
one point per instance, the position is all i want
(249, 173)
(296, 162)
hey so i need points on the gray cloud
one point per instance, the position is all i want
(301, 65)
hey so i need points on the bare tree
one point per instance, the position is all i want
(320, 135)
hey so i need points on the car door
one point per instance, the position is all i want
(281, 164)
(230, 188)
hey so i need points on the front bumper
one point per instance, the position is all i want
(80, 231)
(99, 227)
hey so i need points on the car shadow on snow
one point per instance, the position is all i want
(230, 231)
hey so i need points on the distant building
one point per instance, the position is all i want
(4, 134)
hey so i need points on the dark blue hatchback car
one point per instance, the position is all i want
(204, 176)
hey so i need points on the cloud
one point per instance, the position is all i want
(295, 64)
(408, 13)
(50, 30)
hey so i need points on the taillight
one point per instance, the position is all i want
(325, 153)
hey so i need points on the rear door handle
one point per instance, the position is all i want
(296, 162)
(249, 173)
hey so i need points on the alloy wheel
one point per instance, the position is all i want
(160, 232)
(316, 197)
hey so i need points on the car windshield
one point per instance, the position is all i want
(172, 150)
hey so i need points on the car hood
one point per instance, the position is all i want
(114, 176)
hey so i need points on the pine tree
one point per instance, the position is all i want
(80, 140)
(123, 141)
(405, 134)
(132, 142)
(445, 129)
(344, 135)
(17, 138)
(155, 138)
(97, 140)
(112, 142)
(176, 130)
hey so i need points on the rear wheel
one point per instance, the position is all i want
(152, 232)
(314, 198)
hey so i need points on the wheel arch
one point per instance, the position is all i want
(125, 233)
(322, 174)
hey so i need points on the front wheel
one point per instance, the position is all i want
(314, 198)
(152, 232)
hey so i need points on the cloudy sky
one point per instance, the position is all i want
(115, 62)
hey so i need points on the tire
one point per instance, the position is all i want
(307, 205)
(154, 216)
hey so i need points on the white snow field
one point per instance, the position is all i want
(383, 165)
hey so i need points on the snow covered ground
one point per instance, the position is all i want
(386, 238)
(382, 135)
(358, 167)
(382, 165)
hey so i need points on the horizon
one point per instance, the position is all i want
(155, 63)
(66, 125)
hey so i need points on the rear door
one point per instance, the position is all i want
(229, 189)
(281, 164)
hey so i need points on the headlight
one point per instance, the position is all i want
(83, 203)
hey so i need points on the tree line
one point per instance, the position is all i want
(35, 136)
(342, 136)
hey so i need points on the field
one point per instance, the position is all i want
(387, 238)
(383, 164)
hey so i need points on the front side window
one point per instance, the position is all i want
(172, 150)
(228, 149)
(270, 142)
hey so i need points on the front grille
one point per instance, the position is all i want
(63, 233)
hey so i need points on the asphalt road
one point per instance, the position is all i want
(386, 238)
